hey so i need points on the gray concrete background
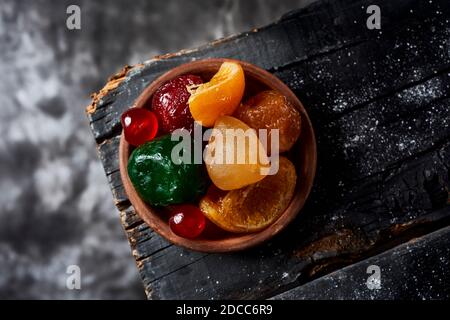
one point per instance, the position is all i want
(56, 207)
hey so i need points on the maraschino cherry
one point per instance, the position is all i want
(139, 125)
(187, 221)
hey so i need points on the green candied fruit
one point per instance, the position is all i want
(158, 180)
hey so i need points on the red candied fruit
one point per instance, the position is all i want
(187, 221)
(139, 126)
(170, 103)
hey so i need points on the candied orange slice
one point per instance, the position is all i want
(271, 110)
(220, 96)
(234, 155)
(254, 207)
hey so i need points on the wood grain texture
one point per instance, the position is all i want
(415, 270)
(379, 103)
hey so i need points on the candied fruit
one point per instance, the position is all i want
(271, 110)
(220, 96)
(139, 126)
(170, 103)
(159, 180)
(187, 221)
(234, 155)
(253, 207)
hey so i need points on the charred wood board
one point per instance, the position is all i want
(417, 269)
(379, 101)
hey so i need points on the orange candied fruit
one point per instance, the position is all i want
(271, 110)
(253, 207)
(220, 96)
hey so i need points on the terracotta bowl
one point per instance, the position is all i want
(303, 154)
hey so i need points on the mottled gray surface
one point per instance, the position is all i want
(56, 208)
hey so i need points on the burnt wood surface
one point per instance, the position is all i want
(379, 103)
(417, 270)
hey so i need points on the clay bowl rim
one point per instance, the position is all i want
(234, 242)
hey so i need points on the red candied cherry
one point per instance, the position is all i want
(170, 103)
(187, 221)
(139, 126)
